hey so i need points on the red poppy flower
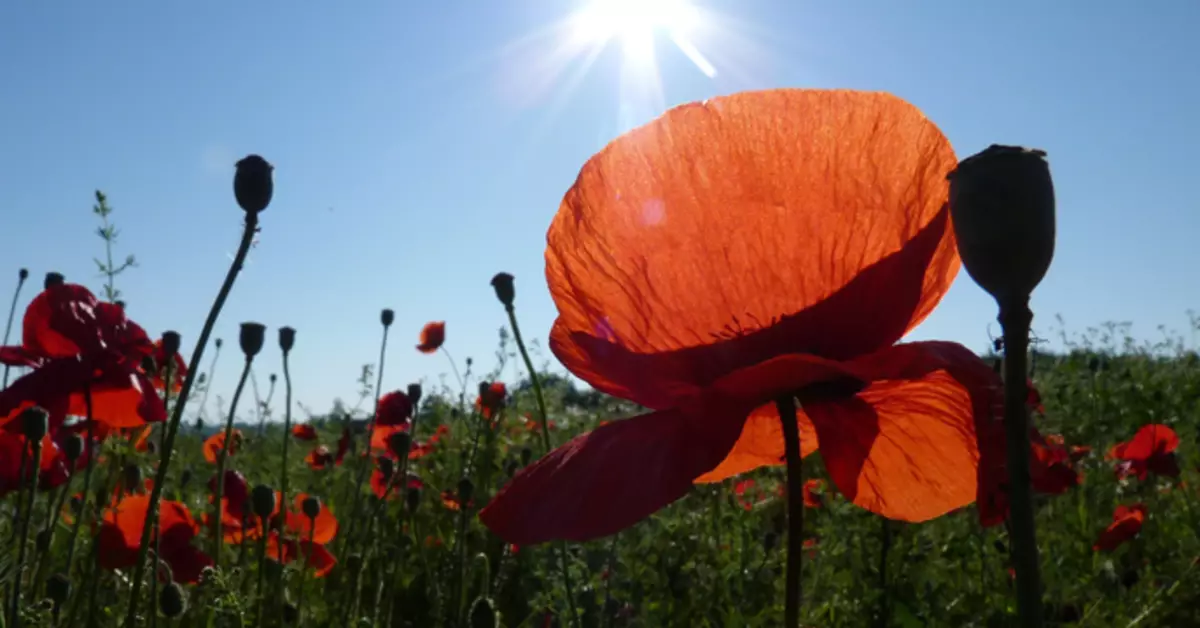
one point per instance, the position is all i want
(394, 409)
(1152, 449)
(1052, 471)
(379, 484)
(313, 555)
(736, 251)
(121, 534)
(235, 495)
(216, 442)
(304, 432)
(1127, 523)
(432, 336)
(746, 494)
(319, 458)
(491, 399)
(812, 493)
(179, 368)
(75, 343)
(320, 529)
(54, 470)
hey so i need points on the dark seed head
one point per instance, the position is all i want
(23, 274)
(311, 507)
(172, 601)
(58, 588)
(170, 342)
(414, 394)
(217, 343)
(53, 279)
(263, 498)
(287, 338)
(387, 317)
(505, 291)
(252, 184)
(412, 498)
(465, 490)
(273, 378)
(132, 474)
(252, 337)
(73, 447)
(35, 422)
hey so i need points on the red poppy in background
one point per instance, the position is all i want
(304, 432)
(757, 246)
(812, 493)
(216, 442)
(235, 495)
(179, 368)
(1052, 470)
(379, 484)
(433, 335)
(394, 409)
(73, 343)
(1127, 523)
(54, 470)
(319, 458)
(491, 399)
(121, 534)
(451, 501)
(1152, 449)
(314, 555)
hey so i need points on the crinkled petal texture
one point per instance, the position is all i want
(612, 477)
(746, 227)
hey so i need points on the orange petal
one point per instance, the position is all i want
(724, 217)
(761, 444)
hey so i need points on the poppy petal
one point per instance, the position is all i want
(761, 444)
(610, 478)
(635, 269)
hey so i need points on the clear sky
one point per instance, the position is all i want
(420, 147)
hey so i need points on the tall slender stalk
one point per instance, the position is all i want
(90, 448)
(26, 518)
(22, 275)
(222, 458)
(1015, 318)
(365, 465)
(167, 380)
(795, 509)
(286, 340)
(251, 227)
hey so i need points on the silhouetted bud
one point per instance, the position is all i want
(505, 291)
(172, 601)
(387, 317)
(73, 447)
(252, 184)
(1094, 364)
(199, 424)
(132, 475)
(526, 456)
(42, 540)
(1002, 208)
(23, 274)
(58, 588)
(287, 338)
(470, 361)
(217, 343)
(290, 613)
(35, 422)
(311, 507)
(273, 378)
(263, 499)
(53, 279)
(414, 394)
(386, 468)
(170, 343)
(398, 444)
(997, 345)
(483, 614)
(120, 305)
(412, 498)
(251, 338)
(465, 490)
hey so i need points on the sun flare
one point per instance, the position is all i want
(634, 25)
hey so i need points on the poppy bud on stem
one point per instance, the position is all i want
(1002, 206)
(287, 339)
(35, 423)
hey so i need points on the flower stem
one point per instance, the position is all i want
(87, 478)
(212, 370)
(12, 313)
(164, 464)
(222, 458)
(283, 480)
(167, 380)
(795, 509)
(262, 571)
(542, 414)
(367, 461)
(1015, 318)
(26, 518)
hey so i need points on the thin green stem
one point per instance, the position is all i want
(283, 480)
(87, 478)
(542, 416)
(366, 463)
(795, 509)
(12, 313)
(167, 381)
(212, 373)
(262, 572)
(26, 519)
(1015, 318)
(164, 464)
(222, 459)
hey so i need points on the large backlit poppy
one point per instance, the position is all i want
(73, 343)
(1152, 449)
(432, 336)
(733, 252)
(394, 409)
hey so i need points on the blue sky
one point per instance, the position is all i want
(422, 147)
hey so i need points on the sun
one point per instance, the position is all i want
(635, 23)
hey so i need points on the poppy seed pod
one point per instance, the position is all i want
(263, 498)
(287, 338)
(53, 279)
(465, 490)
(412, 498)
(386, 468)
(483, 614)
(398, 443)
(58, 588)
(35, 422)
(414, 394)
(172, 601)
(387, 317)
(217, 343)
(251, 338)
(1002, 207)
(132, 474)
(23, 274)
(73, 447)
(170, 344)
(252, 183)
(290, 613)
(505, 290)
(311, 507)
(273, 378)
